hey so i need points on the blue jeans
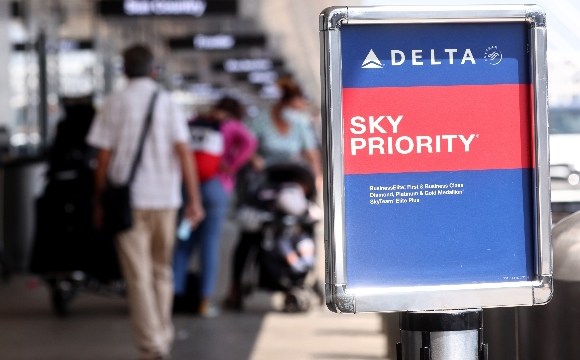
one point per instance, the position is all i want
(207, 235)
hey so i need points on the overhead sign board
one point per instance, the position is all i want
(218, 41)
(62, 45)
(166, 8)
(436, 157)
(246, 65)
(74, 44)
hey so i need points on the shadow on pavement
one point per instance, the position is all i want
(98, 328)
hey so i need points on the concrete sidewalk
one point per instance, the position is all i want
(320, 334)
(98, 328)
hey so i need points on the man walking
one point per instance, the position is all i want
(145, 251)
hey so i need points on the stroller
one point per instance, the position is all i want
(278, 215)
(68, 254)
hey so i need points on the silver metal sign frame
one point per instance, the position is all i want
(341, 298)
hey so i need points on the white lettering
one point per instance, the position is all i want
(410, 145)
(357, 144)
(164, 7)
(262, 77)
(416, 56)
(420, 144)
(359, 122)
(394, 54)
(376, 143)
(374, 124)
(434, 59)
(381, 144)
(247, 65)
(451, 52)
(449, 139)
(395, 123)
(468, 56)
(467, 142)
(398, 57)
(212, 42)
(424, 142)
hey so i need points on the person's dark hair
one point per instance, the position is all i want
(230, 105)
(289, 89)
(138, 61)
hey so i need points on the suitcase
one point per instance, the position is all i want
(65, 239)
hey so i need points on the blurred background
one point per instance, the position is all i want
(54, 52)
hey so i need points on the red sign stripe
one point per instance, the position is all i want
(443, 128)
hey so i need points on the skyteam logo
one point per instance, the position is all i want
(372, 61)
(493, 55)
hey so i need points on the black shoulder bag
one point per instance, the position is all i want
(116, 199)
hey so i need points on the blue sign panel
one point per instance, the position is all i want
(436, 144)
(438, 160)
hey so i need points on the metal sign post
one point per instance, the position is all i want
(442, 336)
(436, 161)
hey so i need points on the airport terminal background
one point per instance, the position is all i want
(55, 49)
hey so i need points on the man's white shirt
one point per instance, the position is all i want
(117, 127)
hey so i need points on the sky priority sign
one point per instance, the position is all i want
(437, 173)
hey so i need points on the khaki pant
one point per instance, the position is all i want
(145, 252)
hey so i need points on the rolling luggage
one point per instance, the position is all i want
(68, 253)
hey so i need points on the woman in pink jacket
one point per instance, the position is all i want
(239, 144)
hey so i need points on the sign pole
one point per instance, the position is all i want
(442, 335)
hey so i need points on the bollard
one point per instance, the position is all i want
(390, 327)
(446, 335)
(500, 332)
(551, 331)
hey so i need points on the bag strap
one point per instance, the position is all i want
(144, 131)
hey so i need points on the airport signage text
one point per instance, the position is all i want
(221, 41)
(164, 8)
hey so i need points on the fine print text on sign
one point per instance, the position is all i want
(411, 193)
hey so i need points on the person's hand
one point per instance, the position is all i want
(319, 184)
(194, 213)
(258, 163)
(226, 169)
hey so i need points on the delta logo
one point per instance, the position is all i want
(372, 61)
(432, 57)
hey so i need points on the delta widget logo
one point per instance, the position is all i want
(493, 55)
